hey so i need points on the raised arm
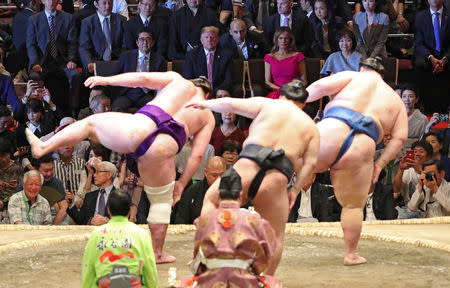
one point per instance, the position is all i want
(328, 86)
(151, 80)
(249, 108)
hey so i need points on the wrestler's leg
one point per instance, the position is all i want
(351, 188)
(271, 202)
(120, 132)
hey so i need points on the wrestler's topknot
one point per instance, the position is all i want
(230, 185)
(372, 63)
(203, 83)
(295, 90)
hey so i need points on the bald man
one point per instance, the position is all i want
(362, 109)
(191, 202)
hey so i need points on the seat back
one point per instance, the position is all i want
(105, 68)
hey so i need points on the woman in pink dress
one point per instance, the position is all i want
(284, 63)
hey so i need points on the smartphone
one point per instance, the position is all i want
(68, 187)
(430, 176)
(410, 154)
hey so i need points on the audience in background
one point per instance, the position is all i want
(435, 141)
(229, 150)
(226, 131)
(416, 120)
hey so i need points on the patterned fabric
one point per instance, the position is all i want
(69, 172)
(53, 51)
(37, 214)
(12, 173)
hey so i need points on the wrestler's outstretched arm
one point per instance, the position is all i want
(199, 145)
(151, 80)
(328, 86)
(399, 134)
(249, 108)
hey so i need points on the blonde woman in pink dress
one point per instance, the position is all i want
(284, 63)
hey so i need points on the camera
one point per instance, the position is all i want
(430, 176)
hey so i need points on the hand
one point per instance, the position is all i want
(405, 163)
(432, 185)
(1, 204)
(434, 119)
(37, 68)
(198, 105)
(89, 168)
(46, 95)
(292, 196)
(12, 185)
(31, 85)
(2, 186)
(421, 182)
(91, 68)
(376, 172)
(79, 203)
(69, 197)
(403, 23)
(177, 191)
(71, 65)
(21, 151)
(99, 220)
(91, 82)
(258, 31)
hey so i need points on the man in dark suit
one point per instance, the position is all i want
(146, 19)
(258, 11)
(297, 21)
(19, 32)
(431, 55)
(242, 43)
(101, 36)
(311, 204)
(209, 60)
(93, 211)
(52, 51)
(185, 26)
(138, 60)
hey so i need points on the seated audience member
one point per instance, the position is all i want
(93, 210)
(311, 204)
(432, 194)
(407, 176)
(226, 131)
(371, 29)
(380, 202)
(7, 122)
(119, 237)
(8, 96)
(308, 7)
(11, 174)
(186, 25)
(296, 21)
(98, 103)
(191, 202)
(138, 60)
(431, 55)
(101, 36)
(37, 122)
(398, 88)
(417, 122)
(242, 43)
(254, 246)
(85, 10)
(68, 168)
(347, 59)
(27, 206)
(436, 119)
(52, 51)
(209, 60)
(95, 154)
(146, 19)
(229, 150)
(325, 26)
(182, 158)
(283, 63)
(435, 141)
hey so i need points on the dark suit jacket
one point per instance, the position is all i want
(158, 28)
(195, 66)
(78, 16)
(383, 202)
(87, 211)
(425, 44)
(128, 63)
(252, 6)
(256, 45)
(191, 203)
(301, 28)
(38, 38)
(92, 43)
(19, 28)
(333, 29)
(319, 203)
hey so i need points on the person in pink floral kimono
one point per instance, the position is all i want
(232, 245)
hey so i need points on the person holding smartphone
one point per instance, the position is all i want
(432, 194)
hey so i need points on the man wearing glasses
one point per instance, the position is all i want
(93, 211)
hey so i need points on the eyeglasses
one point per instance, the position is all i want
(146, 39)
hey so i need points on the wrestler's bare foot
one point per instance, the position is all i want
(35, 143)
(354, 259)
(164, 258)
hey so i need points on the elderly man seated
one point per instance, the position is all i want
(432, 195)
(27, 206)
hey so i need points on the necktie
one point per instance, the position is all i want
(210, 66)
(143, 64)
(146, 23)
(286, 22)
(107, 33)
(101, 202)
(38, 133)
(53, 50)
(436, 31)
